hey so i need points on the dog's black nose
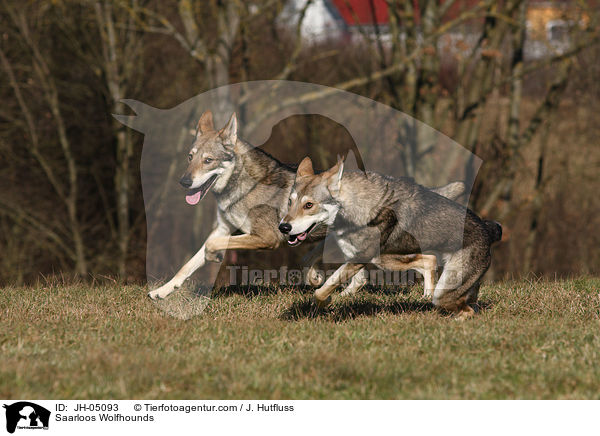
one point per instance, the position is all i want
(285, 227)
(185, 181)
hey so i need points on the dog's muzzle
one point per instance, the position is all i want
(186, 182)
(297, 239)
(195, 195)
(285, 228)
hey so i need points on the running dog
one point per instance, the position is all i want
(385, 221)
(251, 189)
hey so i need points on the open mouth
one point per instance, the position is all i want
(195, 195)
(294, 240)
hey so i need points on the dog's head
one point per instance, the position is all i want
(211, 157)
(312, 201)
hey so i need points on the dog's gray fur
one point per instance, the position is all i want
(252, 190)
(375, 215)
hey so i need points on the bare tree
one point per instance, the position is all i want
(119, 66)
(64, 180)
(457, 66)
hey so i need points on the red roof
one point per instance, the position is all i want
(362, 12)
(368, 12)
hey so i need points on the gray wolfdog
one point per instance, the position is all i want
(252, 190)
(376, 217)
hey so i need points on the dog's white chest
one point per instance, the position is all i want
(238, 218)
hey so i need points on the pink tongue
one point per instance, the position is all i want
(194, 198)
(301, 236)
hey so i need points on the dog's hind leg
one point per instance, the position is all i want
(425, 264)
(458, 286)
(470, 299)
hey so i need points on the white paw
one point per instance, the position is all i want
(427, 294)
(161, 292)
(315, 278)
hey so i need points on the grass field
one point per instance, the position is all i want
(532, 339)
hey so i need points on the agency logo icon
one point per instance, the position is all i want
(26, 415)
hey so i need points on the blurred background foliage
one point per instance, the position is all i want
(514, 81)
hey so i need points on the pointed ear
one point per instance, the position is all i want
(229, 132)
(334, 175)
(205, 124)
(305, 168)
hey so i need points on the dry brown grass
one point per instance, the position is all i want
(532, 339)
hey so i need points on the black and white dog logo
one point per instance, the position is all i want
(26, 415)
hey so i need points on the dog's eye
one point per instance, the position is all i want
(190, 157)
(208, 160)
(308, 205)
(289, 201)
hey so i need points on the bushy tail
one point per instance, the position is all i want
(494, 229)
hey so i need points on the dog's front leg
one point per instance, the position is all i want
(358, 281)
(197, 261)
(186, 270)
(314, 277)
(240, 242)
(214, 256)
(343, 273)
